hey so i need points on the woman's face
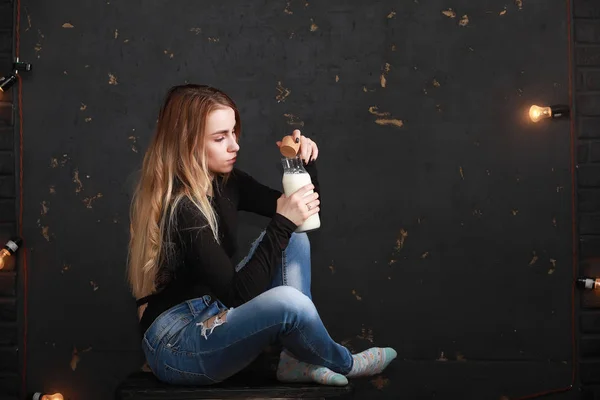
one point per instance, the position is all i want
(220, 140)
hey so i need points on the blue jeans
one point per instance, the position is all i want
(182, 346)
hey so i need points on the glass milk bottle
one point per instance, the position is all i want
(294, 177)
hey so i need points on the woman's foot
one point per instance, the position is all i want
(292, 370)
(371, 362)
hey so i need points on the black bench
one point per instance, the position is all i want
(252, 383)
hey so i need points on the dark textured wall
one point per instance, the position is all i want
(9, 315)
(587, 91)
(447, 215)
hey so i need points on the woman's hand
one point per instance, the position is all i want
(308, 149)
(300, 205)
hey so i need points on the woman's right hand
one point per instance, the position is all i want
(300, 205)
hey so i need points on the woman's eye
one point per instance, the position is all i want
(220, 139)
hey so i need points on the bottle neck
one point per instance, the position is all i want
(293, 165)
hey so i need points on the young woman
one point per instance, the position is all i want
(202, 318)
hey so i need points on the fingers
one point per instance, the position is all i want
(308, 148)
(296, 135)
(300, 193)
(315, 150)
(305, 148)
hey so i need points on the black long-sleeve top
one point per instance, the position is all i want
(196, 265)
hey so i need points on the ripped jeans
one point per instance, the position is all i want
(199, 342)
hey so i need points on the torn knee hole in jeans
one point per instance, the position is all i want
(210, 324)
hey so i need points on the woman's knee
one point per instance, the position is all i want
(291, 300)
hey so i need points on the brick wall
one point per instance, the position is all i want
(9, 332)
(586, 26)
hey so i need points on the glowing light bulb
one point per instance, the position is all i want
(537, 113)
(55, 396)
(8, 250)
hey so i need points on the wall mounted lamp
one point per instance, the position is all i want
(8, 80)
(537, 113)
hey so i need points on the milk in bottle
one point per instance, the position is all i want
(294, 177)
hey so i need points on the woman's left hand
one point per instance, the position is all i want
(308, 149)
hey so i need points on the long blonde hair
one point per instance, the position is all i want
(174, 167)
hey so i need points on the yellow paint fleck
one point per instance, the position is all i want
(52, 190)
(65, 268)
(83, 107)
(45, 233)
(365, 89)
(293, 120)
(337, 78)
(332, 269)
(464, 21)
(449, 13)
(133, 144)
(88, 119)
(391, 262)
(283, 92)
(395, 122)
(391, 14)
(116, 33)
(553, 267)
(519, 4)
(382, 80)
(503, 12)
(533, 259)
(380, 382)
(373, 110)
(112, 80)
(393, 47)
(356, 295)
(425, 255)
(197, 31)
(45, 208)
(67, 25)
(77, 181)
(436, 83)
(88, 200)
(167, 52)
(287, 8)
(400, 240)
(514, 211)
(313, 26)
(75, 358)
(213, 39)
